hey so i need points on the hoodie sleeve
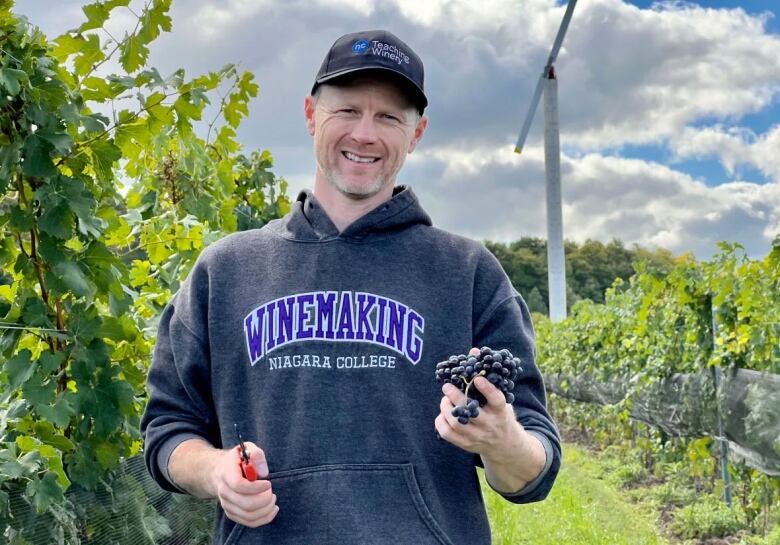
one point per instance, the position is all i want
(506, 323)
(179, 404)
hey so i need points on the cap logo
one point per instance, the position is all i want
(360, 47)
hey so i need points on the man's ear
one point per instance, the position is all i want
(308, 112)
(419, 130)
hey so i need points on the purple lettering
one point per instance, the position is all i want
(271, 342)
(325, 314)
(413, 340)
(363, 326)
(285, 319)
(380, 323)
(395, 334)
(254, 335)
(304, 303)
(345, 329)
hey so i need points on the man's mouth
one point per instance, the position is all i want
(359, 158)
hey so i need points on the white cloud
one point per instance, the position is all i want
(733, 146)
(605, 197)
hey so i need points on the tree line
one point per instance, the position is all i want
(591, 267)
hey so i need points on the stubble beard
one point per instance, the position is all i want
(355, 191)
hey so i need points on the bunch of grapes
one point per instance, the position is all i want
(499, 367)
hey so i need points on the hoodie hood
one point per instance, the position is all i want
(308, 221)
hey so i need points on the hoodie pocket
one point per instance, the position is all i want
(346, 504)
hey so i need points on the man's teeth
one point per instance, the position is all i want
(359, 159)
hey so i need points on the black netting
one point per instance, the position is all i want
(685, 405)
(127, 509)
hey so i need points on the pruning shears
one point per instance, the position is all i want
(247, 469)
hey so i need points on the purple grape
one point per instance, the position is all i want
(499, 367)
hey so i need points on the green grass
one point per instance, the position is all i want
(580, 510)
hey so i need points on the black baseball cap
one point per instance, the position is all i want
(375, 50)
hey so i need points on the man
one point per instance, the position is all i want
(318, 336)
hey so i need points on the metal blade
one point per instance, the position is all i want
(530, 115)
(550, 60)
(561, 33)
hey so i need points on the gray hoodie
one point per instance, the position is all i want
(321, 345)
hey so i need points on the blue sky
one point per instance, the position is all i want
(710, 169)
(669, 112)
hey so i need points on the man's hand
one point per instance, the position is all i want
(251, 503)
(484, 434)
(511, 456)
(203, 471)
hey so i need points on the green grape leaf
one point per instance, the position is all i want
(57, 221)
(119, 328)
(90, 55)
(49, 248)
(133, 53)
(67, 45)
(234, 110)
(45, 431)
(40, 389)
(11, 469)
(75, 279)
(58, 414)
(27, 443)
(62, 142)
(10, 79)
(19, 369)
(185, 108)
(104, 155)
(119, 305)
(97, 14)
(50, 362)
(107, 454)
(101, 89)
(111, 4)
(82, 466)
(154, 20)
(37, 157)
(20, 220)
(247, 85)
(45, 492)
(54, 458)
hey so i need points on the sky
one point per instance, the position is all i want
(669, 111)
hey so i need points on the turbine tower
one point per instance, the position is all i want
(556, 266)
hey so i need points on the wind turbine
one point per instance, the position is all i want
(556, 267)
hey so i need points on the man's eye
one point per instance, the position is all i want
(391, 117)
(347, 111)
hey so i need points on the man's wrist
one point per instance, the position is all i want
(191, 467)
(512, 442)
(517, 460)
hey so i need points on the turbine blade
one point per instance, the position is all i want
(530, 115)
(561, 33)
(550, 60)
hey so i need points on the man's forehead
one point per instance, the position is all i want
(367, 85)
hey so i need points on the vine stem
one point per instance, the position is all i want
(80, 145)
(34, 255)
(221, 107)
(130, 251)
(470, 382)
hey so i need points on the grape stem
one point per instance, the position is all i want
(470, 382)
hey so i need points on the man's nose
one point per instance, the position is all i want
(364, 130)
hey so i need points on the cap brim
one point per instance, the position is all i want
(420, 101)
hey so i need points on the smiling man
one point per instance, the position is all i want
(318, 336)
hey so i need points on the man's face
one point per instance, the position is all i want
(362, 133)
